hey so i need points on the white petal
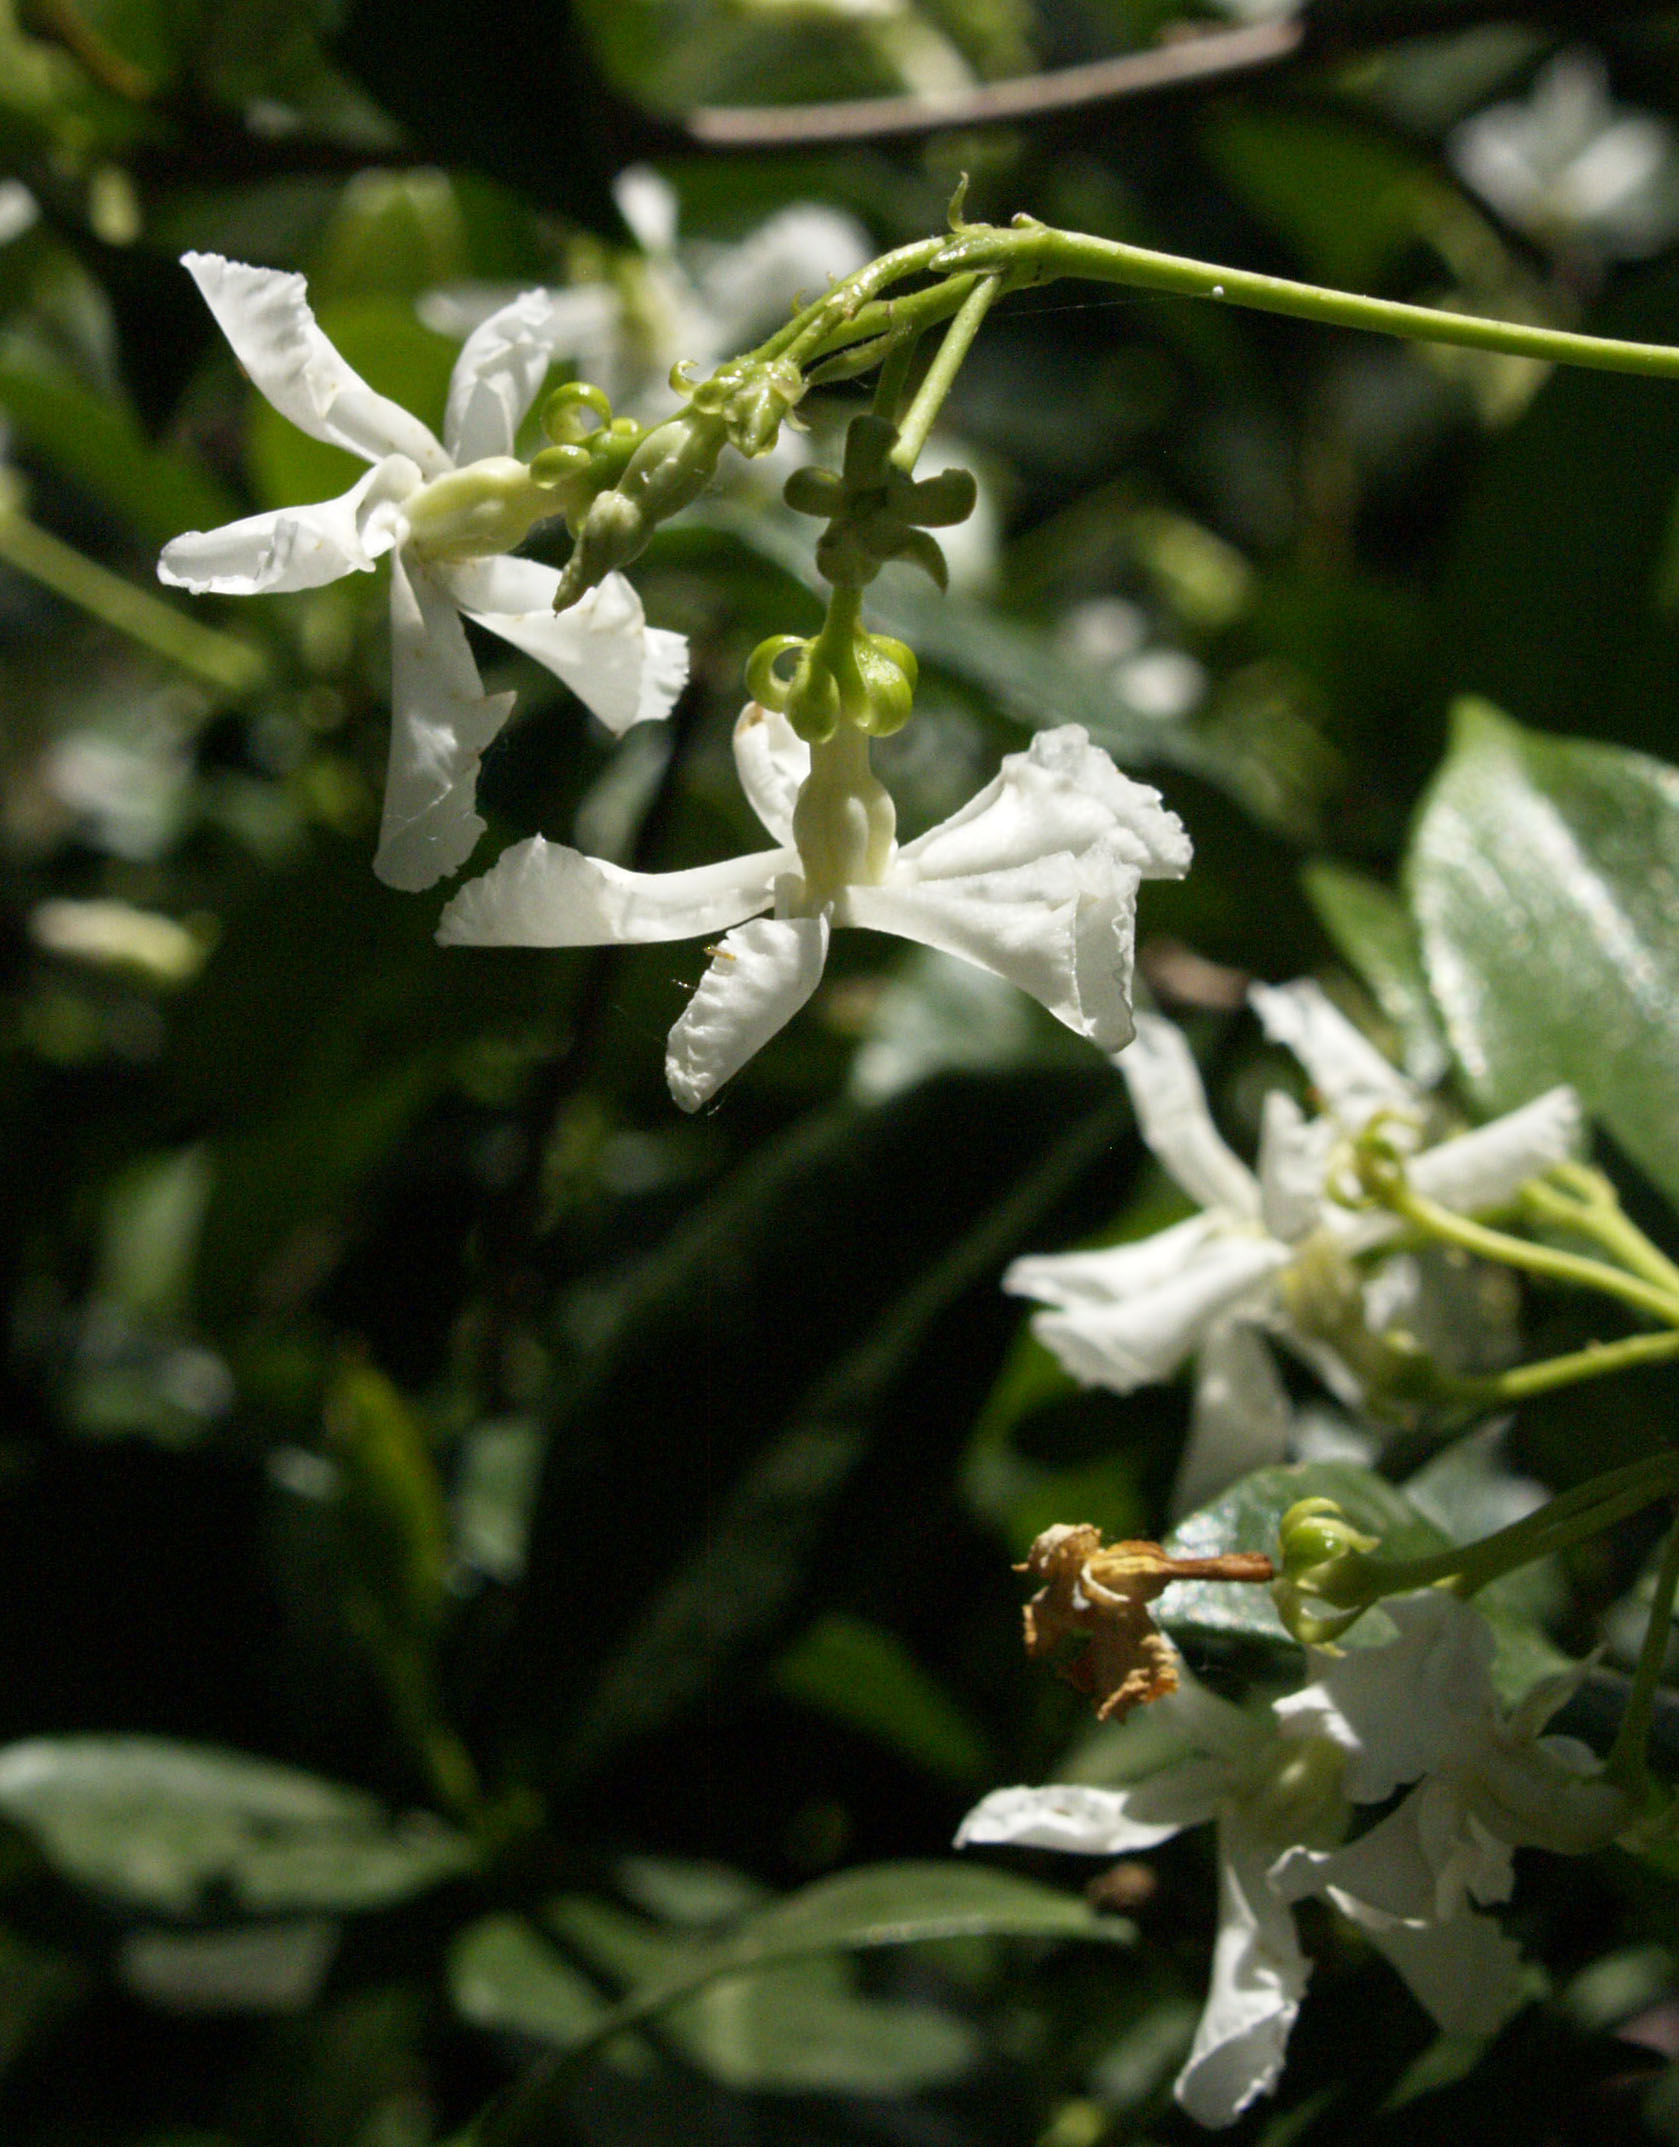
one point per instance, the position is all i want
(1259, 1977)
(1385, 1870)
(1241, 1417)
(756, 982)
(1294, 1157)
(1348, 1071)
(1463, 1970)
(1059, 927)
(295, 547)
(801, 249)
(1063, 793)
(1487, 1168)
(441, 721)
(541, 894)
(265, 316)
(1113, 1272)
(1171, 1107)
(617, 665)
(773, 762)
(1097, 1822)
(1397, 1710)
(1147, 1337)
(648, 204)
(502, 364)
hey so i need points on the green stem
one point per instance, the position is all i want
(1586, 1202)
(1596, 1361)
(1625, 1763)
(227, 665)
(1036, 254)
(893, 377)
(919, 418)
(805, 333)
(1449, 1228)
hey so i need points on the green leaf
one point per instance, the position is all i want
(503, 1974)
(865, 1676)
(1542, 876)
(163, 1827)
(1373, 932)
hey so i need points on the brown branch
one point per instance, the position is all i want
(1190, 59)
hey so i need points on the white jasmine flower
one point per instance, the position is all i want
(1034, 879)
(1280, 1786)
(444, 512)
(1210, 1287)
(1568, 167)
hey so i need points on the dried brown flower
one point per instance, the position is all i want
(1098, 1596)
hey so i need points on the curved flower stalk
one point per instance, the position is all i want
(444, 512)
(1034, 879)
(1281, 1787)
(1271, 1247)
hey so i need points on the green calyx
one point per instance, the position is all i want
(876, 511)
(841, 675)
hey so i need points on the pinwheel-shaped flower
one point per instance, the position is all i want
(444, 512)
(1266, 1239)
(1281, 1785)
(1034, 879)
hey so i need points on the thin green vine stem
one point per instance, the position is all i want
(1447, 1227)
(1625, 1763)
(1583, 1200)
(1596, 1361)
(219, 660)
(1033, 253)
(918, 420)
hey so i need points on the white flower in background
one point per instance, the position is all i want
(1034, 879)
(1212, 1286)
(1569, 169)
(1281, 1786)
(445, 513)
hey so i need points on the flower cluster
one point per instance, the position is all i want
(1284, 1787)
(445, 513)
(1272, 1250)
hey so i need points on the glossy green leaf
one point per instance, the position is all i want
(1542, 874)
(165, 1827)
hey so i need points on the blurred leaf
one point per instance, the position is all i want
(865, 1676)
(170, 1827)
(397, 1526)
(503, 1974)
(1542, 875)
(1373, 932)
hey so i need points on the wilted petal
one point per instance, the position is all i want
(772, 761)
(756, 982)
(265, 316)
(1396, 1710)
(1098, 1822)
(502, 364)
(1113, 1272)
(1240, 1420)
(1259, 1978)
(1487, 1168)
(602, 647)
(1147, 1337)
(1348, 1071)
(1062, 793)
(441, 721)
(1171, 1107)
(295, 547)
(1059, 928)
(541, 894)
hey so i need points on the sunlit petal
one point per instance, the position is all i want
(266, 318)
(755, 983)
(295, 547)
(773, 762)
(1348, 1071)
(1259, 1978)
(1172, 1115)
(1146, 1337)
(541, 894)
(502, 364)
(1488, 1167)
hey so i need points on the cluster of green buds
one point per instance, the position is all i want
(876, 511)
(841, 675)
(1326, 1580)
(620, 482)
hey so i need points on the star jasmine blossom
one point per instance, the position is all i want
(445, 513)
(1034, 879)
(1282, 1785)
(1268, 1241)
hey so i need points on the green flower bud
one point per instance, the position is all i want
(813, 700)
(888, 672)
(1324, 1561)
